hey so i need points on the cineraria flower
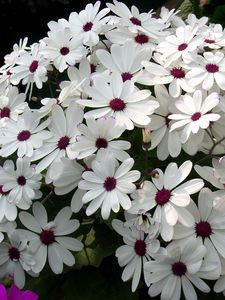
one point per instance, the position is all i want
(195, 113)
(214, 36)
(207, 70)
(169, 198)
(48, 238)
(16, 294)
(15, 259)
(177, 268)
(121, 100)
(137, 250)
(98, 134)
(24, 135)
(21, 184)
(88, 24)
(108, 184)
(63, 49)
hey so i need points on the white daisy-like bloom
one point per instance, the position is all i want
(195, 113)
(191, 20)
(138, 249)
(22, 184)
(214, 36)
(122, 100)
(15, 259)
(89, 23)
(208, 228)
(124, 59)
(167, 142)
(98, 134)
(108, 184)
(176, 270)
(24, 135)
(176, 46)
(12, 104)
(63, 49)
(168, 197)
(30, 68)
(206, 70)
(48, 239)
(64, 131)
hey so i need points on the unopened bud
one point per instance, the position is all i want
(146, 141)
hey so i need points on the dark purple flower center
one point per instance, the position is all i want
(179, 268)
(117, 104)
(33, 66)
(21, 180)
(64, 50)
(182, 47)
(212, 68)
(196, 116)
(162, 196)
(177, 73)
(141, 39)
(110, 184)
(203, 229)
(140, 247)
(2, 192)
(47, 237)
(126, 76)
(167, 120)
(135, 21)
(101, 143)
(93, 68)
(63, 142)
(23, 135)
(208, 41)
(87, 26)
(5, 112)
(14, 253)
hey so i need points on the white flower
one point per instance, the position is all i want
(137, 250)
(23, 135)
(195, 113)
(6, 227)
(108, 184)
(214, 36)
(177, 268)
(89, 23)
(15, 259)
(48, 238)
(98, 134)
(169, 198)
(21, 184)
(121, 100)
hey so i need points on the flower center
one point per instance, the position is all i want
(208, 41)
(117, 104)
(5, 112)
(21, 180)
(2, 192)
(141, 39)
(23, 135)
(167, 120)
(14, 253)
(126, 76)
(203, 229)
(87, 26)
(101, 143)
(177, 73)
(93, 68)
(63, 142)
(33, 66)
(110, 184)
(212, 68)
(140, 247)
(64, 50)
(162, 196)
(196, 116)
(135, 21)
(47, 237)
(182, 47)
(179, 268)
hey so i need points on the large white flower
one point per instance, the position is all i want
(121, 100)
(108, 184)
(168, 197)
(48, 238)
(138, 249)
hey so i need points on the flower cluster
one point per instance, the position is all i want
(72, 110)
